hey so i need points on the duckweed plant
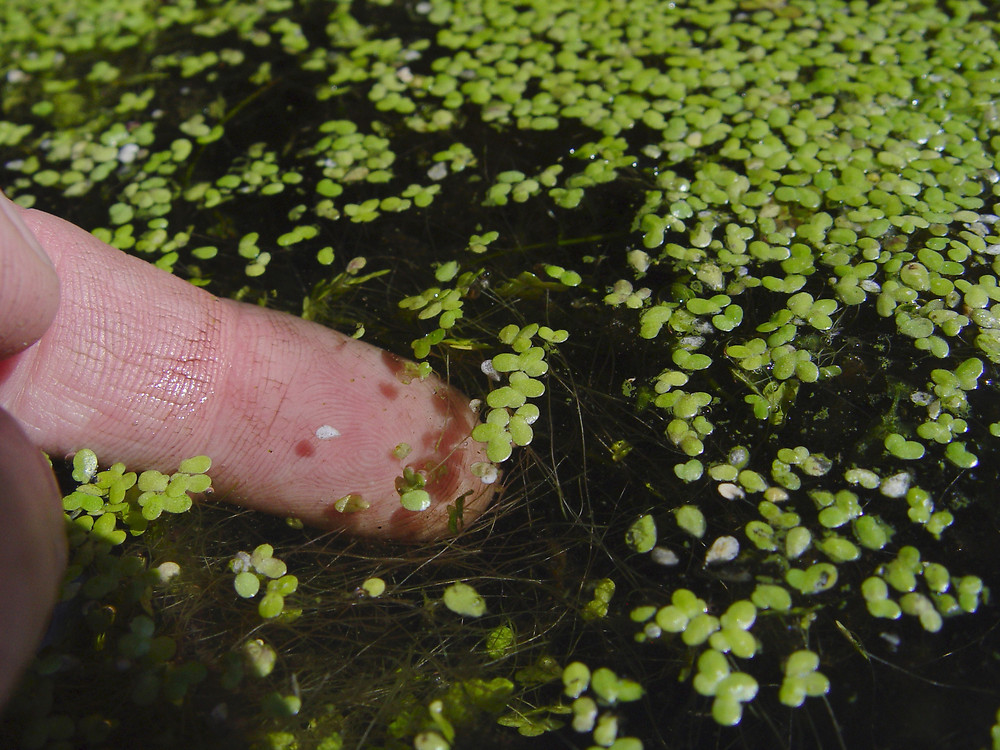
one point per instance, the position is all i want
(722, 279)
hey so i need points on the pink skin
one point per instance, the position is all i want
(101, 350)
(33, 548)
(148, 369)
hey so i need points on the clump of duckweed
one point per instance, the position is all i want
(722, 278)
(105, 621)
(262, 566)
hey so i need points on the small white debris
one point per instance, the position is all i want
(731, 491)
(870, 286)
(892, 639)
(489, 371)
(166, 571)
(325, 432)
(723, 549)
(128, 152)
(486, 471)
(896, 485)
(241, 562)
(739, 456)
(663, 556)
(639, 260)
(692, 342)
(438, 172)
(776, 494)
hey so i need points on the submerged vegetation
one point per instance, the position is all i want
(723, 276)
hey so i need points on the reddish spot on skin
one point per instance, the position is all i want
(304, 449)
(394, 364)
(390, 391)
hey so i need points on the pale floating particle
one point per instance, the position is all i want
(487, 472)
(166, 571)
(896, 485)
(731, 491)
(489, 370)
(776, 494)
(692, 342)
(664, 556)
(128, 152)
(892, 639)
(639, 260)
(921, 398)
(723, 549)
(739, 456)
(870, 286)
(704, 326)
(241, 562)
(325, 432)
(438, 172)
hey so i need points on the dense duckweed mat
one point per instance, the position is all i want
(722, 277)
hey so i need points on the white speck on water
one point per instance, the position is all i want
(723, 549)
(731, 491)
(127, 153)
(438, 172)
(489, 370)
(490, 475)
(325, 432)
(664, 556)
(896, 485)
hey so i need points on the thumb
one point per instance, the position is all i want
(29, 288)
(33, 553)
(146, 368)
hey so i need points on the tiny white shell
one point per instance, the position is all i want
(723, 549)
(325, 432)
